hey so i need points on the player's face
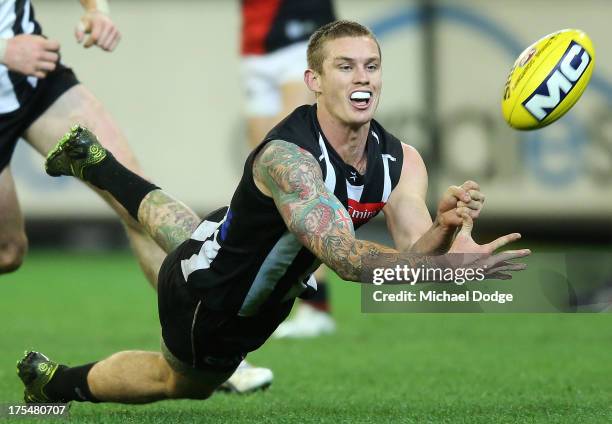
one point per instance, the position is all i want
(351, 80)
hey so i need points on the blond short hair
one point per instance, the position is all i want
(315, 54)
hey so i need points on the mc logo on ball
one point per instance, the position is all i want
(559, 83)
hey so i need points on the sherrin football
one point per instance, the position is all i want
(547, 79)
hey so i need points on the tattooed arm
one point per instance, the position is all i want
(293, 178)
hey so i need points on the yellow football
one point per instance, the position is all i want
(547, 79)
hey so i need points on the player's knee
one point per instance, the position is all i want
(12, 253)
(179, 388)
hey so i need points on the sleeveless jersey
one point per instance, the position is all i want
(268, 25)
(244, 257)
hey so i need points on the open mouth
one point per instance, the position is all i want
(361, 99)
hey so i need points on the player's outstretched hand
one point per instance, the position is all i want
(97, 28)
(457, 200)
(31, 55)
(495, 266)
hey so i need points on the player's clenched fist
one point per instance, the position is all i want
(100, 30)
(31, 55)
(459, 200)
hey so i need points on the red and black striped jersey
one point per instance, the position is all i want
(268, 25)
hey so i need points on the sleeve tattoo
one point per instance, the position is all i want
(317, 217)
(168, 221)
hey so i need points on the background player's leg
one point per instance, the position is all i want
(78, 105)
(312, 316)
(13, 241)
(320, 301)
(258, 127)
(293, 95)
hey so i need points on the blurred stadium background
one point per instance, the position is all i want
(174, 87)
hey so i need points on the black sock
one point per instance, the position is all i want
(126, 187)
(70, 383)
(319, 299)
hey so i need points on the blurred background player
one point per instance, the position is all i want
(274, 40)
(39, 98)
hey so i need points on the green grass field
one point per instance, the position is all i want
(476, 368)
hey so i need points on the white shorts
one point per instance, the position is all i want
(263, 76)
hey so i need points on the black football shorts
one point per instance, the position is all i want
(46, 92)
(202, 338)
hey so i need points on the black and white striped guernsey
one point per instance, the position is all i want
(242, 258)
(16, 17)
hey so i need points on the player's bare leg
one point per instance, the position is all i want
(168, 221)
(79, 105)
(138, 376)
(13, 241)
(124, 377)
(258, 127)
(293, 94)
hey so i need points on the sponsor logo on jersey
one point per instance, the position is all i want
(363, 212)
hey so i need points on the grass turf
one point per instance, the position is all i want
(476, 368)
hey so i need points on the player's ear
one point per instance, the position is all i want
(312, 80)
